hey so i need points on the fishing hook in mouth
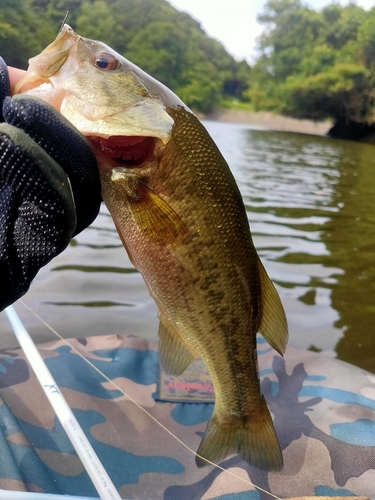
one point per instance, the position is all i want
(64, 21)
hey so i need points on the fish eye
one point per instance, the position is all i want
(105, 61)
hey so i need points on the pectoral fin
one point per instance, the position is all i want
(156, 217)
(273, 326)
(174, 356)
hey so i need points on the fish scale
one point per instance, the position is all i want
(182, 220)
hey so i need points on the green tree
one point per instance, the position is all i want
(366, 40)
(17, 43)
(172, 52)
(316, 64)
(168, 44)
(341, 92)
(159, 49)
(291, 29)
(341, 24)
(96, 20)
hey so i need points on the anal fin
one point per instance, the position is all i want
(174, 355)
(274, 325)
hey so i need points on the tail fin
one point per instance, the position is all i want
(254, 440)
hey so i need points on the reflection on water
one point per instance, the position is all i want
(90, 289)
(310, 202)
(287, 181)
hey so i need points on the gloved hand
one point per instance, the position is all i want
(49, 187)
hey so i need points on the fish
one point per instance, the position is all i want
(181, 218)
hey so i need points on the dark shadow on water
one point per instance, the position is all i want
(90, 304)
(296, 176)
(96, 269)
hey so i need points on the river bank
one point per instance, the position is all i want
(270, 121)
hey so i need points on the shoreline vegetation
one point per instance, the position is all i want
(329, 74)
(269, 121)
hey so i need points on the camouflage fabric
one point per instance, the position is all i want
(324, 413)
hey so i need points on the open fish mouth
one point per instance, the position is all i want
(126, 151)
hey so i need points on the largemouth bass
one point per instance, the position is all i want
(181, 218)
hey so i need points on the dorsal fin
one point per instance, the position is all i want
(273, 326)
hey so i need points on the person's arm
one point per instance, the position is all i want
(49, 186)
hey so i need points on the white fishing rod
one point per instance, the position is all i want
(27, 495)
(86, 453)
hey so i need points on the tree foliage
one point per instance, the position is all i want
(311, 64)
(168, 44)
(316, 64)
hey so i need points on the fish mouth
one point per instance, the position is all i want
(125, 151)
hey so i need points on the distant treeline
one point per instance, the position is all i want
(166, 43)
(317, 64)
(311, 64)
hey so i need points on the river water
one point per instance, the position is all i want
(311, 206)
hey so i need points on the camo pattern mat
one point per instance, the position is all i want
(324, 413)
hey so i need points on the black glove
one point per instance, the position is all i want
(49, 187)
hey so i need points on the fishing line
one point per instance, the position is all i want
(56, 333)
(64, 21)
(91, 462)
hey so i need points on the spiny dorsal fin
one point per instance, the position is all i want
(156, 217)
(174, 356)
(273, 326)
